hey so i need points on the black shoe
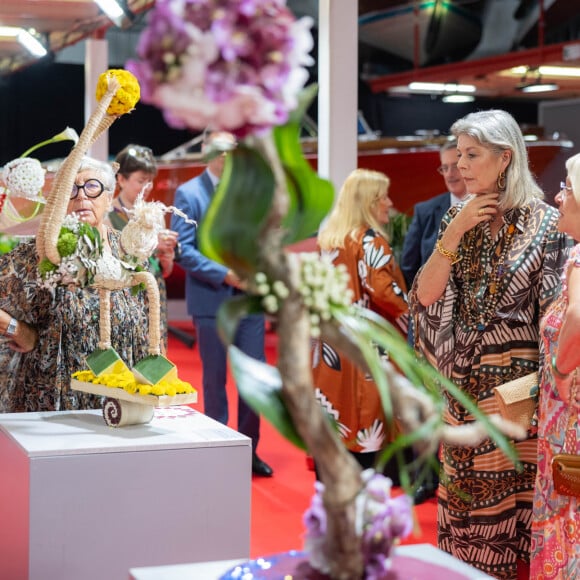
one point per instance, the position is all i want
(260, 467)
(422, 494)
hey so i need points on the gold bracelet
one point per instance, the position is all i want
(453, 257)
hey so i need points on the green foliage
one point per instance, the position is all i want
(240, 206)
(67, 242)
(396, 231)
(46, 267)
(310, 196)
(7, 243)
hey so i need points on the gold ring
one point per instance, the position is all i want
(480, 213)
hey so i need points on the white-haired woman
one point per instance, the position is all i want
(477, 304)
(353, 236)
(556, 523)
(49, 331)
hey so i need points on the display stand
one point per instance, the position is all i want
(79, 499)
(214, 570)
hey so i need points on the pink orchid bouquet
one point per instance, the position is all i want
(233, 64)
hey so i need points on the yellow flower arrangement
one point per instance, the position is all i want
(126, 381)
(126, 96)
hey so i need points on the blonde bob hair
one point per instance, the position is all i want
(498, 131)
(355, 208)
(573, 169)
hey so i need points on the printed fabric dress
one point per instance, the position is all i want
(67, 322)
(556, 524)
(484, 331)
(344, 391)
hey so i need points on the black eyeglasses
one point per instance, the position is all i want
(443, 169)
(92, 188)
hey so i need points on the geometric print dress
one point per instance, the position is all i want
(484, 331)
(345, 392)
(555, 550)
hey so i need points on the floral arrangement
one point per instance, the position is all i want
(238, 66)
(126, 380)
(382, 521)
(80, 248)
(234, 64)
(24, 177)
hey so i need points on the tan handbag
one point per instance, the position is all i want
(517, 399)
(565, 466)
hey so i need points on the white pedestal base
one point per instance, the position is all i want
(80, 500)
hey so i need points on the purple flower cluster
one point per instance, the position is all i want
(233, 65)
(381, 521)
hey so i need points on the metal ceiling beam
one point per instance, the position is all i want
(475, 68)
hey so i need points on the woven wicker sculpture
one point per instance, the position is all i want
(118, 92)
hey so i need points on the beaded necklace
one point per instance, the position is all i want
(483, 275)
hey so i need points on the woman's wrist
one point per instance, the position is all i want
(556, 372)
(452, 256)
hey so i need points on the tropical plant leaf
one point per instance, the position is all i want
(240, 206)
(258, 383)
(310, 196)
(419, 372)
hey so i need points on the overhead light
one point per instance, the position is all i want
(545, 71)
(457, 98)
(441, 87)
(116, 11)
(26, 38)
(538, 87)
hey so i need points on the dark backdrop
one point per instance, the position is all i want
(41, 100)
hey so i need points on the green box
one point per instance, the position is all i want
(154, 369)
(102, 361)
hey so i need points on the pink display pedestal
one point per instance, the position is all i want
(83, 501)
(416, 561)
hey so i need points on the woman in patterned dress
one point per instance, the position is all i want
(137, 170)
(353, 237)
(477, 304)
(48, 332)
(556, 521)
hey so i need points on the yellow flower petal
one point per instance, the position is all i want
(126, 96)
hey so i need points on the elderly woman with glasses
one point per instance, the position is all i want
(48, 331)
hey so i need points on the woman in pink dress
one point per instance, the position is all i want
(555, 546)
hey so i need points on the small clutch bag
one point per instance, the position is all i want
(517, 399)
(566, 474)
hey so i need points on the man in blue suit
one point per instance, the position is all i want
(419, 244)
(422, 234)
(207, 285)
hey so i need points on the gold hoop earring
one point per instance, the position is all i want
(501, 181)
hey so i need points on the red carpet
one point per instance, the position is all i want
(278, 502)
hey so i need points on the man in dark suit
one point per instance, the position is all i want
(419, 244)
(207, 285)
(422, 234)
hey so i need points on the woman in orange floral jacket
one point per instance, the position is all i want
(353, 236)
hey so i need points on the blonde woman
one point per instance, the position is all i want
(353, 236)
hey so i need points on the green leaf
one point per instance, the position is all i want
(422, 374)
(260, 385)
(229, 232)
(310, 196)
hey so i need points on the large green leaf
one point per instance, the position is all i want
(229, 232)
(259, 383)
(310, 196)
(419, 372)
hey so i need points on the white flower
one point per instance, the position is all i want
(24, 177)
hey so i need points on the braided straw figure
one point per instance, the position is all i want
(117, 92)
